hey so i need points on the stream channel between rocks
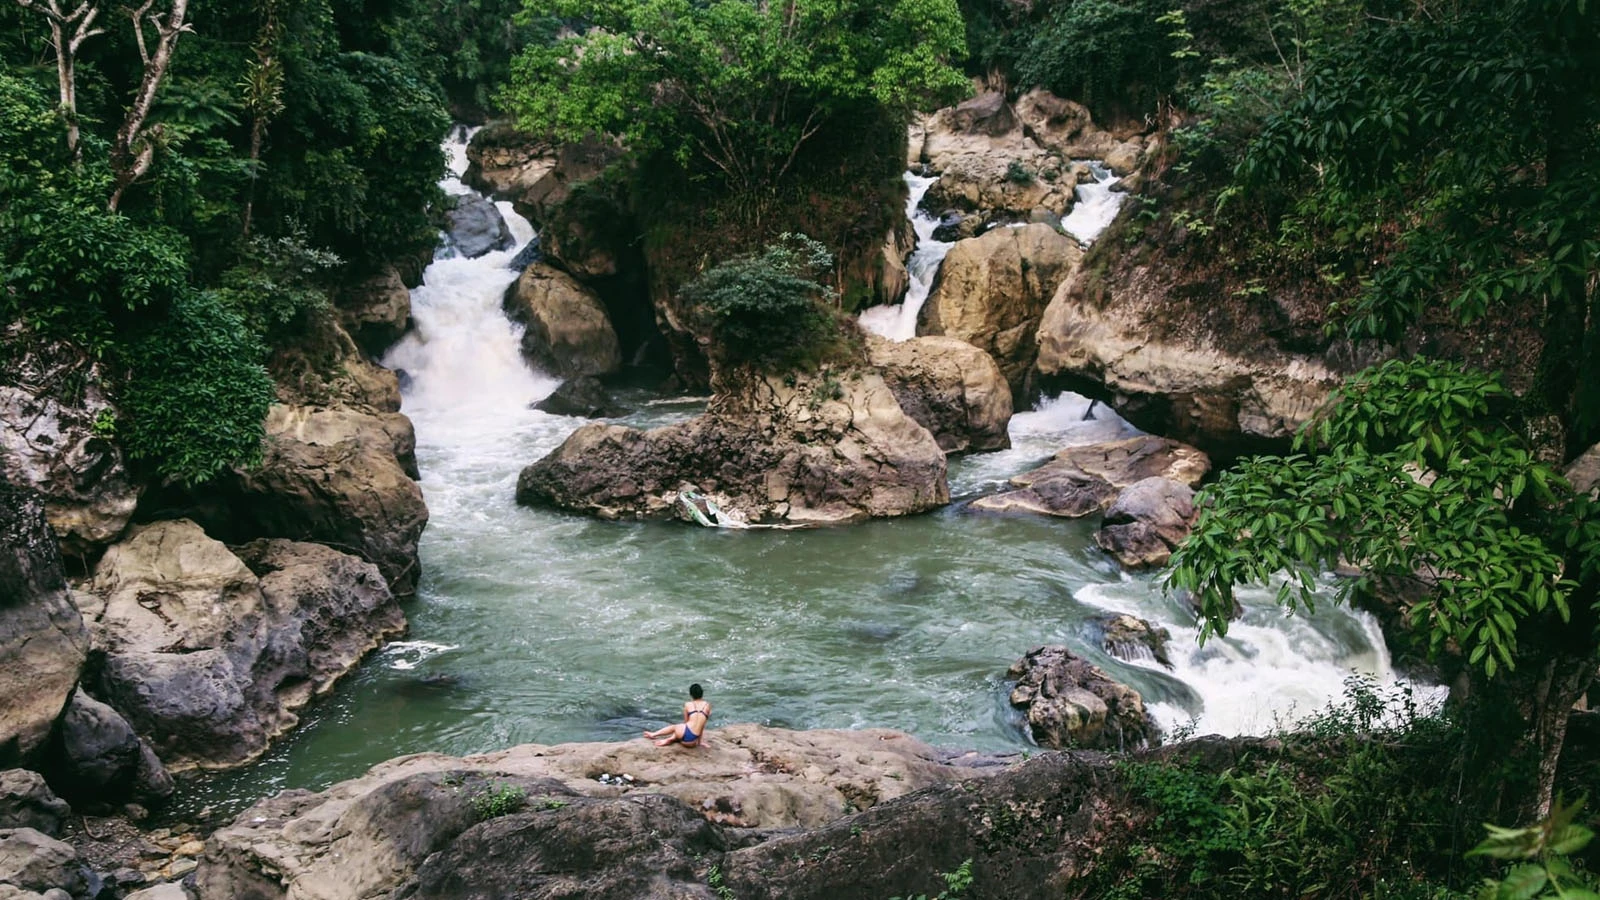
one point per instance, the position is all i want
(539, 626)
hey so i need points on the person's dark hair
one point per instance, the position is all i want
(695, 692)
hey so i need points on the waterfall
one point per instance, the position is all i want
(1096, 204)
(898, 321)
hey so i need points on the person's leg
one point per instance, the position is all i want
(659, 732)
(677, 735)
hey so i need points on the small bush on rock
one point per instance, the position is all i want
(768, 310)
(501, 800)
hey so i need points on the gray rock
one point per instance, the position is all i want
(170, 890)
(103, 762)
(37, 862)
(377, 311)
(1070, 703)
(476, 227)
(1086, 479)
(1133, 639)
(583, 396)
(1148, 521)
(26, 802)
(950, 387)
(43, 642)
(210, 659)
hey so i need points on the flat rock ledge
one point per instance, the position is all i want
(412, 824)
(1083, 480)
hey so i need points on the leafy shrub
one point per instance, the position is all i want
(767, 310)
(501, 800)
(196, 395)
(277, 286)
(1017, 173)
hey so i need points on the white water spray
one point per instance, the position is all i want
(1096, 204)
(898, 321)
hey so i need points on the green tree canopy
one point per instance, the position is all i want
(736, 85)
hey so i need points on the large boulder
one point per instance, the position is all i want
(1147, 521)
(1086, 479)
(825, 448)
(535, 175)
(992, 291)
(949, 387)
(405, 826)
(101, 761)
(39, 863)
(375, 311)
(988, 165)
(338, 476)
(1071, 703)
(56, 427)
(26, 802)
(43, 642)
(475, 227)
(1133, 639)
(567, 332)
(583, 396)
(209, 659)
(1211, 374)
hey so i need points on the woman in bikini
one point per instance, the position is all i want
(696, 714)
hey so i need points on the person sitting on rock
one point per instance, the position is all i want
(696, 715)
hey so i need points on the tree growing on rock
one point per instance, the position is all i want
(737, 85)
(768, 310)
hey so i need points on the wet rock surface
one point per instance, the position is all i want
(1083, 480)
(949, 387)
(584, 397)
(1133, 639)
(829, 448)
(567, 331)
(1070, 703)
(476, 227)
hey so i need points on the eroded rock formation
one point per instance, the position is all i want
(1070, 703)
(567, 332)
(1147, 521)
(1083, 480)
(949, 387)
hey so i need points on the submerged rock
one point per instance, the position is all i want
(1083, 480)
(411, 827)
(208, 659)
(567, 333)
(825, 448)
(583, 396)
(1070, 703)
(43, 642)
(1147, 521)
(1133, 639)
(949, 387)
(992, 291)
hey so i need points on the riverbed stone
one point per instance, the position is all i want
(1070, 703)
(1086, 479)
(27, 802)
(949, 387)
(102, 762)
(1147, 522)
(993, 289)
(476, 227)
(584, 396)
(209, 659)
(1134, 639)
(829, 447)
(43, 641)
(408, 823)
(567, 332)
(37, 862)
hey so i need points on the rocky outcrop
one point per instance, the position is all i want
(584, 396)
(376, 311)
(1066, 127)
(1200, 373)
(826, 448)
(476, 227)
(1147, 521)
(1133, 639)
(567, 332)
(101, 762)
(38, 863)
(56, 427)
(949, 387)
(337, 476)
(1083, 480)
(26, 802)
(993, 290)
(534, 175)
(1070, 703)
(43, 642)
(988, 167)
(209, 659)
(411, 827)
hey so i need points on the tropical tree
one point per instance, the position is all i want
(738, 85)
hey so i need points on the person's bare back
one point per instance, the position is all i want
(689, 732)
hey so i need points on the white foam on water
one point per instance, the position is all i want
(406, 655)
(1096, 205)
(898, 321)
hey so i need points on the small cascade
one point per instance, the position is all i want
(898, 321)
(1096, 204)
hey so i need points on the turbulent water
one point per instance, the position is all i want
(1096, 205)
(898, 321)
(537, 626)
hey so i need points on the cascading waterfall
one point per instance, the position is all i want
(898, 321)
(1096, 204)
(538, 626)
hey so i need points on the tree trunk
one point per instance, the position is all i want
(1568, 678)
(135, 149)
